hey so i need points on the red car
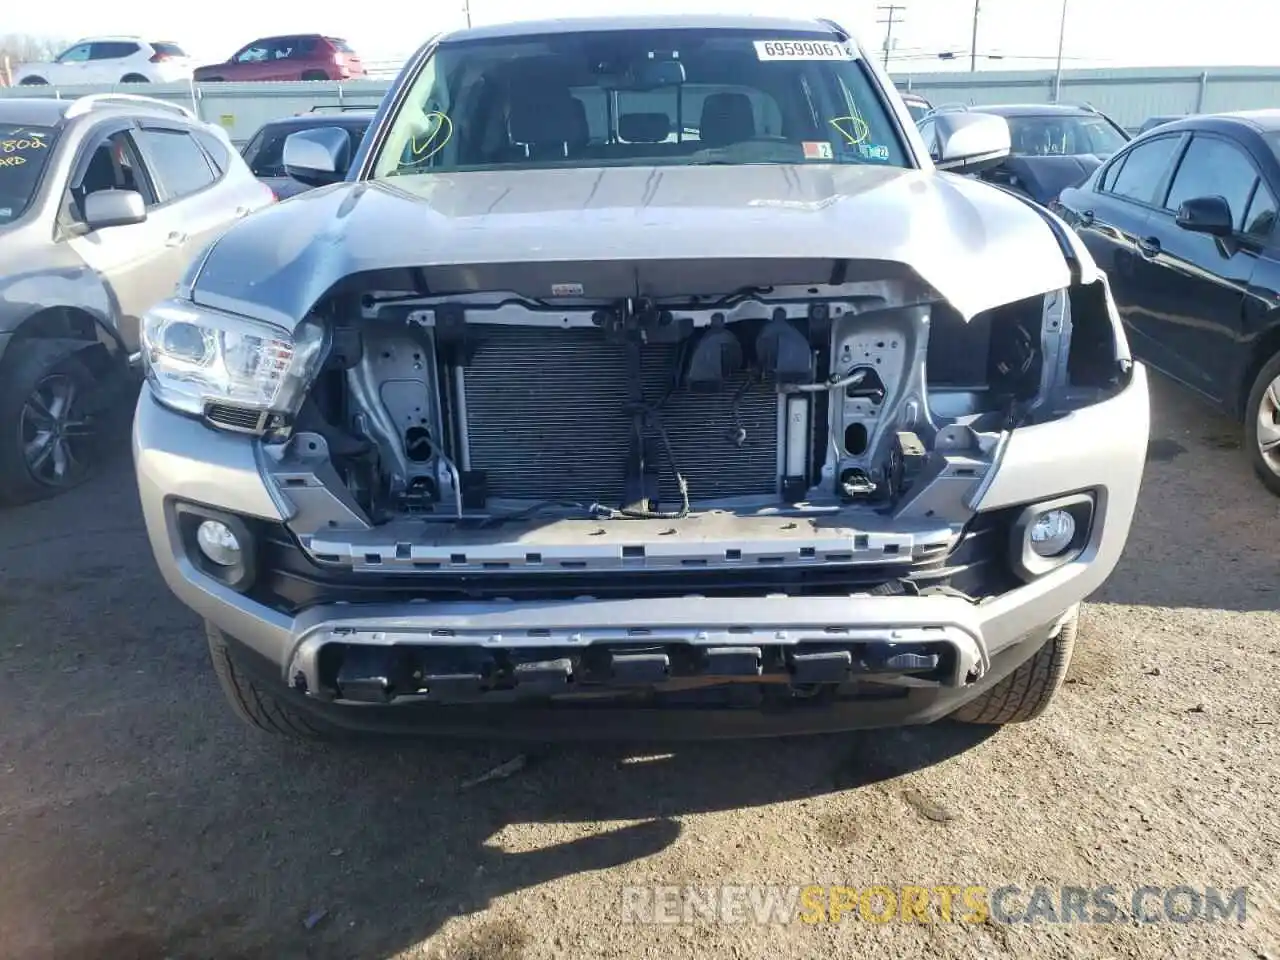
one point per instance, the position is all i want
(306, 56)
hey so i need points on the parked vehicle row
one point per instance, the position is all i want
(125, 59)
(264, 153)
(117, 59)
(1183, 220)
(1052, 146)
(294, 57)
(104, 201)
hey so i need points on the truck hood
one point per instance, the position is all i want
(971, 243)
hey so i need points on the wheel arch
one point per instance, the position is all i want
(78, 329)
(1266, 346)
(68, 322)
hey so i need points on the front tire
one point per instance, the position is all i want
(315, 75)
(48, 429)
(134, 78)
(1027, 692)
(1262, 425)
(256, 705)
(34, 82)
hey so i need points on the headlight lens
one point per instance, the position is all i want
(1052, 532)
(218, 542)
(196, 357)
(1049, 534)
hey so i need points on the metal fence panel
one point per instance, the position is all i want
(1128, 95)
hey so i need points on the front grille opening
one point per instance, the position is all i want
(568, 389)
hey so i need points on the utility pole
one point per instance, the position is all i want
(1062, 34)
(891, 11)
(466, 8)
(973, 43)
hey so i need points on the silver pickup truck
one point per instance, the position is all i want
(640, 377)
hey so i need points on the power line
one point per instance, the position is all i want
(892, 10)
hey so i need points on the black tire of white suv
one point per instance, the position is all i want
(26, 367)
(256, 706)
(1027, 692)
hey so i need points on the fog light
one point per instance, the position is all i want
(1052, 532)
(218, 543)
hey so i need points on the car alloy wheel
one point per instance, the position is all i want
(1269, 426)
(54, 433)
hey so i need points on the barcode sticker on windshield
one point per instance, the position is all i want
(803, 50)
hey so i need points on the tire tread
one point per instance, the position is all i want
(255, 706)
(1270, 370)
(1027, 692)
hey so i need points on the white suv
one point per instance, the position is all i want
(110, 60)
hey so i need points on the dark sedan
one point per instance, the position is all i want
(1054, 146)
(1183, 221)
(264, 153)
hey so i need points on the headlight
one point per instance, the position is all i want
(1050, 534)
(199, 359)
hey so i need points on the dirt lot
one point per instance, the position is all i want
(139, 819)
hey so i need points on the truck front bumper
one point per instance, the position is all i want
(839, 646)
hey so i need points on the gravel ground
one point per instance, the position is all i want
(139, 819)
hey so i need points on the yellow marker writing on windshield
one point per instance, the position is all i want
(20, 146)
(16, 160)
(431, 142)
(854, 129)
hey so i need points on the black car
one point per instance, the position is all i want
(1054, 146)
(1183, 222)
(265, 150)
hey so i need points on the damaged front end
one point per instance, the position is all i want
(788, 429)
(780, 421)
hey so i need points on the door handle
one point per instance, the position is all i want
(1086, 218)
(176, 238)
(1149, 246)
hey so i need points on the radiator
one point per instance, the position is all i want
(547, 420)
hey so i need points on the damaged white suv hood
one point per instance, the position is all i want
(974, 245)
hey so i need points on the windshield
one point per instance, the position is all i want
(1064, 136)
(24, 153)
(265, 152)
(637, 97)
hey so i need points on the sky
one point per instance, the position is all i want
(1023, 34)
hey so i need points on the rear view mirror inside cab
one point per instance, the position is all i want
(652, 74)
